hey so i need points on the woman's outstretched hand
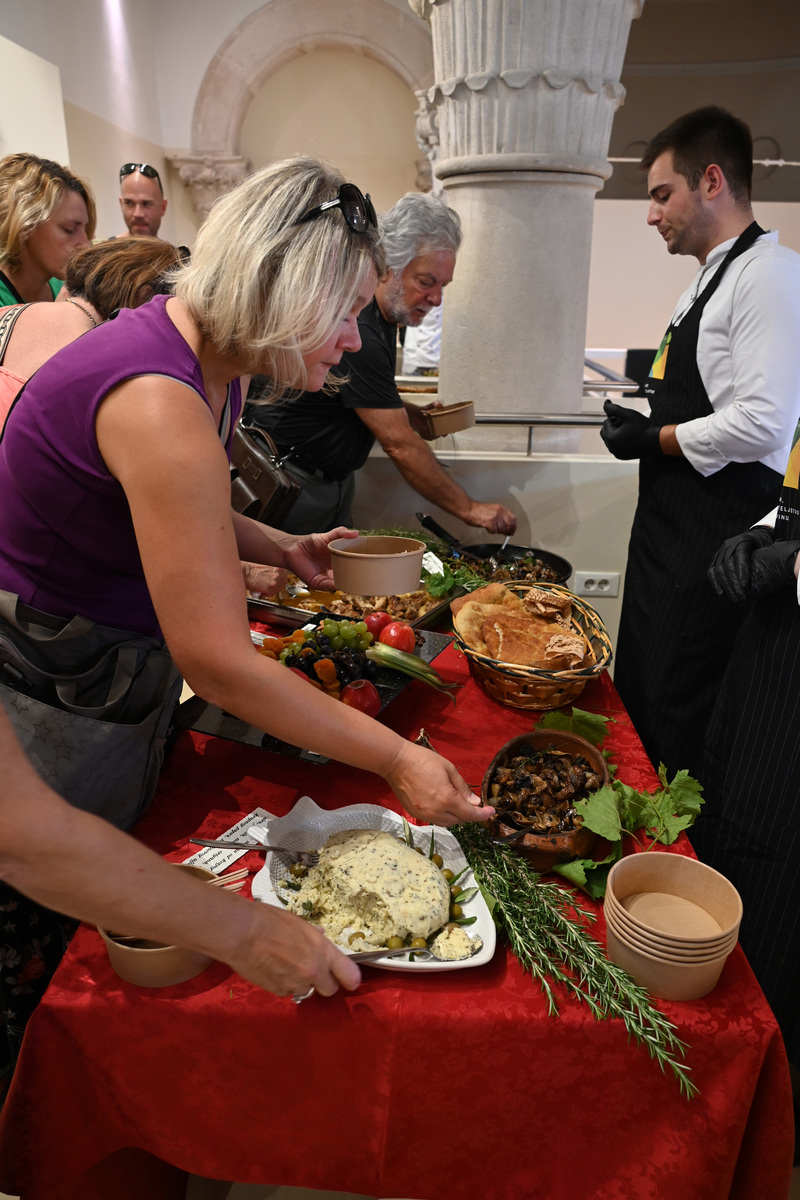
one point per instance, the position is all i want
(310, 559)
(431, 789)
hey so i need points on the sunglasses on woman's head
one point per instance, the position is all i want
(145, 168)
(357, 209)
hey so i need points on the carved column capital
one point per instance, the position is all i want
(209, 176)
(426, 131)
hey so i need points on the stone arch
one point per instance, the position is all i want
(262, 43)
(284, 28)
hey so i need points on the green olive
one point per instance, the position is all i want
(450, 927)
(448, 874)
(456, 911)
(354, 937)
(437, 860)
(419, 944)
(419, 850)
(456, 890)
(298, 870)
(394, 943)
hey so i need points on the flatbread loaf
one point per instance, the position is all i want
(533, 630)
(519, 639)
(471, 611)
(548, 605)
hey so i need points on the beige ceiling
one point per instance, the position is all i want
(741, 54)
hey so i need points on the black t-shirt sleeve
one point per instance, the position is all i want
(370, 372)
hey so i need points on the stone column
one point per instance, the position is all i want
(209, 176)
(525, 94)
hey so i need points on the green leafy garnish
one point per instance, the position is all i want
(587, 725)
(618, 810)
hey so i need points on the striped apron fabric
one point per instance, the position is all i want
(675, 633)
(749, 828)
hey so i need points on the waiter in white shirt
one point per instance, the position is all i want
(724, 391)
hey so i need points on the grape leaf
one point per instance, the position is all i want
(589, 875)
(588, 725)
(661, 820)
(633, 806)
(673, 826)
(685, 793)
(601, 814)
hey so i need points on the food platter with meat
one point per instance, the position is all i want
(297, 604)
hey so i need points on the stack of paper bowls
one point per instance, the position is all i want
(672, 922)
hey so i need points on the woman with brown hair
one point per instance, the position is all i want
(98, 280)
(46, 212)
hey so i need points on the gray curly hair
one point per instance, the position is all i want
(419, 223)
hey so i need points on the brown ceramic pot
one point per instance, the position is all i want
(544, 850)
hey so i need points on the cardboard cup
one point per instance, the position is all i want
(667, 981)
(153, 964)
(374, 565)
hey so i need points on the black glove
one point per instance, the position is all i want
(729, 573)
(772, 568)
(628, 434)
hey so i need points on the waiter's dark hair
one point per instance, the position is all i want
(704, 136)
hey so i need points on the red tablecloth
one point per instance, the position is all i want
(426, 1087)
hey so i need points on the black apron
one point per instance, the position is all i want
(749, 828)
(675, 633)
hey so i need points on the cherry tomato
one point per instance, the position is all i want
(363, 695)
(400, 635)
(376, 621)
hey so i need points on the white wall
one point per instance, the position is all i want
(36, 125)
(634, 282)
(105, 50)
(310, 105)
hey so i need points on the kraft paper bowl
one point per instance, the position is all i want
(628, 924)
(450, 419)
(151, 964)
(676, 875)
(663, 979)
(377, 565)
(639, 941)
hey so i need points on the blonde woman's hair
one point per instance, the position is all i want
(266, 289)
(122, 273)
(31, 189)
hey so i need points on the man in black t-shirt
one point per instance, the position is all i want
(327, 437)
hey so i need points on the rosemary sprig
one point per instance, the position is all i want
(546, 929)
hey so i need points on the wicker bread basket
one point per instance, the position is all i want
(531, 687)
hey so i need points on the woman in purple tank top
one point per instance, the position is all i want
(122, 512)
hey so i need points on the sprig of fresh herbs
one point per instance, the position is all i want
(547, 932)
(443, 582)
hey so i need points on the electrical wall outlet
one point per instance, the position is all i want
(597, 583)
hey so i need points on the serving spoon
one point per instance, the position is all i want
(365, 956)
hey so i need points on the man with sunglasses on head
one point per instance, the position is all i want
(326, 436)
(141, 199)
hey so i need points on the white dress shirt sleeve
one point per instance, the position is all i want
(749, 360)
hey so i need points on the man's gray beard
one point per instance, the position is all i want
(394, 302)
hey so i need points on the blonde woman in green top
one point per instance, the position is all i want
(46, 212)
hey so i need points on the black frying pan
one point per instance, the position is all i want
(485, 550)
